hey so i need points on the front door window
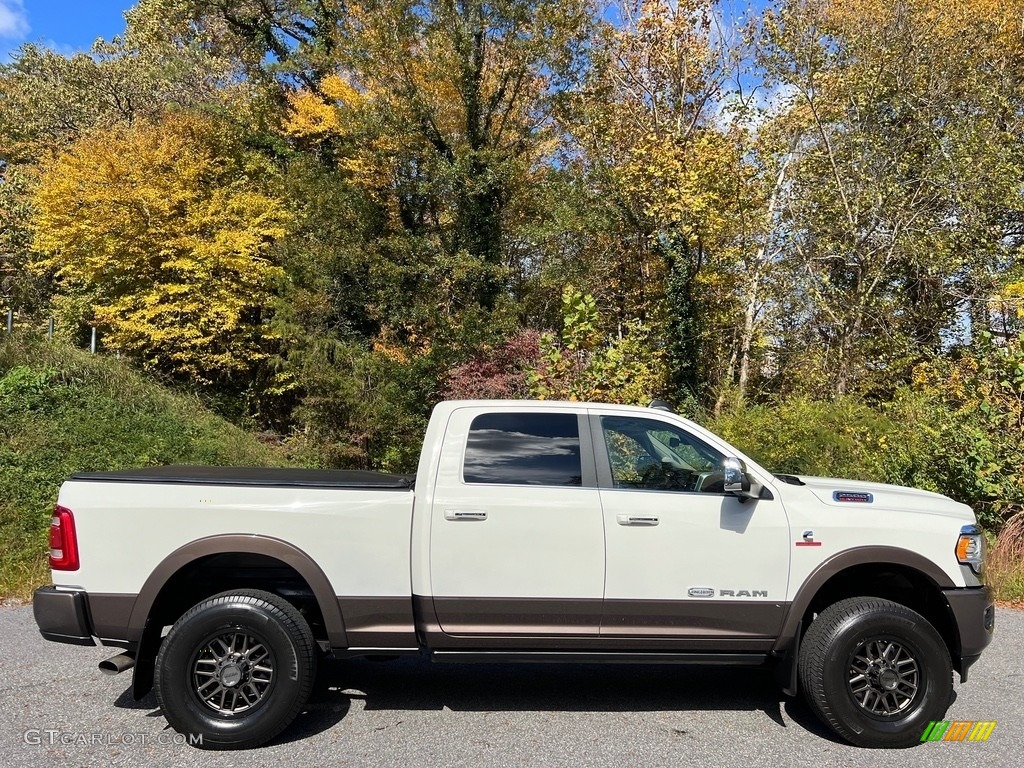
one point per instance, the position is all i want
(647, 454)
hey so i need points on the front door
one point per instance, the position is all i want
(687, 564)
(516, 536)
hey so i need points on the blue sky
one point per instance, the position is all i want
(73, 25)
(66, 25)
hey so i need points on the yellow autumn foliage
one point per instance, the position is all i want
(340, 111)
(317, 116)
(159, 234)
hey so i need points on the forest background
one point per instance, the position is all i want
(798, 222)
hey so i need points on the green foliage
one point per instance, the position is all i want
(18, 286)
(843, 438)
(49, 100)
(360, 408)
(683, 322)
(904, 156)
(923, 438)
(974, 405)
(583, 365)
(64, 411)
(959, 453)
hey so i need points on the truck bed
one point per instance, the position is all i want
(272, 477)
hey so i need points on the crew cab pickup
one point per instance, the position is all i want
(533, 531)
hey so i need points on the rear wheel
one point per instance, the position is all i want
(236, 669)
(875, 671)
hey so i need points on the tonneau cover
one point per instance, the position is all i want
(259, 476)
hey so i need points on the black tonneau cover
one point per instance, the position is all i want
(258, 476)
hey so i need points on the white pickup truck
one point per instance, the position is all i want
(533, 531)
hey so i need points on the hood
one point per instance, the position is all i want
(836, 492)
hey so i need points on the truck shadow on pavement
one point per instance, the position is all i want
(417, 684)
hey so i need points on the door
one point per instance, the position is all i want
(516, 537)
(686, 563)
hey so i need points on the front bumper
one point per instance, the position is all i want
(974, 615)
(62, 615)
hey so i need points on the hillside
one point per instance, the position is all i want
(65, 411)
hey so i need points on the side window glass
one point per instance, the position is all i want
(653, 455)
(524, 449)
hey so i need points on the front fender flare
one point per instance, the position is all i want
(848, 558)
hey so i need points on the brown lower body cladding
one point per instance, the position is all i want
(110, 615)
(541, 623)
(640, 625)
(378, 622)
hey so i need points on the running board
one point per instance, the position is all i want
(361, 652)
(601, 657)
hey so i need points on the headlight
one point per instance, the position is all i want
(970, 548)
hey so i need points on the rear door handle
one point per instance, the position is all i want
(637, 519)
(465, 514)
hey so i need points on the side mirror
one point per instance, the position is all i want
(735, 478)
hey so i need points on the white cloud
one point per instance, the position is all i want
(13, 20)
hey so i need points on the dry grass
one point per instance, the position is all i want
(1006, 561)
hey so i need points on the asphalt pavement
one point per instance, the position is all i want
(57, 709)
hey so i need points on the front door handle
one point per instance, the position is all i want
(465, 514)
(638, 519)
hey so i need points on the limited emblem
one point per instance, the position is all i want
(700, 592)
(854, 497)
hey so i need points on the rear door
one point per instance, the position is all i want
(516, 537)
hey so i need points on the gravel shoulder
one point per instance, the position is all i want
(413, 713)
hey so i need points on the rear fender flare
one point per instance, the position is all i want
(278, 549)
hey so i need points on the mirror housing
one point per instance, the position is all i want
(735, 477)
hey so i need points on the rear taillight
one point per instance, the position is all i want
(63, 542)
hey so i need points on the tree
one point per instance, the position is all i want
(159, 234)
(19, 288)
(48, 100)
(284, 43)
(582, 364)
(458, 96)
(902, 191)
(648, 130)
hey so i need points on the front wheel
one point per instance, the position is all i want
(236, 669)
(875, 672)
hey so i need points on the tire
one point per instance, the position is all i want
(875, 672)
(236, 669)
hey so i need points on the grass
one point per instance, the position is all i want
(1006, 561)
(64, 411)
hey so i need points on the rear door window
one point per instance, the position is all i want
(524, 449)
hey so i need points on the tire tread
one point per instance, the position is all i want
(293, 623)
(814, 650)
